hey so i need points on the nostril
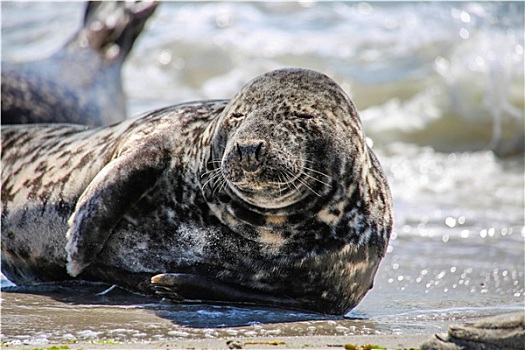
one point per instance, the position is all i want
(258, 149)
(239, 151)
(250, 153)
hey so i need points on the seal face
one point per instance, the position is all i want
(271, 198)
(288, 145)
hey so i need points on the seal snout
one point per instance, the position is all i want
(250, 153)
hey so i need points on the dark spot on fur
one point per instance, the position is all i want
(223, 198)
(42, 167)
(249, 216)
(84, 161)
(10, 235)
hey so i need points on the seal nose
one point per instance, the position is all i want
(250, 154)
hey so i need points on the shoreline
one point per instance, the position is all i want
(358, 342)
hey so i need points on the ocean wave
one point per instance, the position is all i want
(442, 74)
(447, 75)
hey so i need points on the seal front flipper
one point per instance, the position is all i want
(184, 287)
(120, 184)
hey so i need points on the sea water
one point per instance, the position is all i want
(440, 90)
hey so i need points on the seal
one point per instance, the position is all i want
(81, 83)
(272, 198)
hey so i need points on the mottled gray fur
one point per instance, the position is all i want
(272, 198)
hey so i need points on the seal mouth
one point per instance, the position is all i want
(259, 182)
(277, 194)
(267, 197)
(267, 188)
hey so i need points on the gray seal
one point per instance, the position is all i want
(272, 198)
(81, 83)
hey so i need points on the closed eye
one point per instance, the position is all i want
(237, 115)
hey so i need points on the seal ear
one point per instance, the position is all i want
(120, 184)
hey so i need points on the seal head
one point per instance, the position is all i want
(289, 143)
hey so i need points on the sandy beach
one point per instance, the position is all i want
(64, 320)
(311, 342)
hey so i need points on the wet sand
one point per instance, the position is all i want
(74, 317)
(304, 342)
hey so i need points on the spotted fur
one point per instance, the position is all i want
(272, 198)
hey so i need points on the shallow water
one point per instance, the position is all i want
(440, 91)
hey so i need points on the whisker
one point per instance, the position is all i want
(316, 179)
(214, 176)
(212, 173)
(221, 187)
(216, 188)
(317, 172)
(218, 178)
(306, 185)
(279, 186)
(209, 172)
(284, 179)
(207, 182)
(304, 160)
(279, 173)
(310, 169)
(291, 181)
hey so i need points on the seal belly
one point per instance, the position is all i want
(32, 246)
